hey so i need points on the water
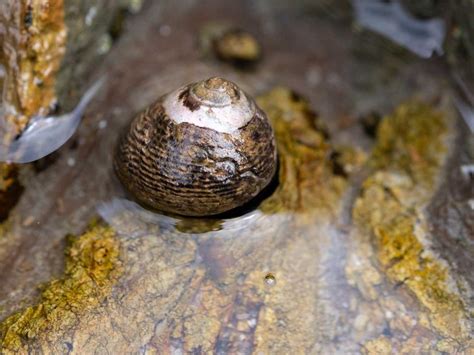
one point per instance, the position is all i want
(298, 275)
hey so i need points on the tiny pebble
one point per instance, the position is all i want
(313, 76)
(165, 30)
(135, 6)
(252, 322)
(71, 162)
(91, 15)
(104, 44)
(102, 124)
(28, 221)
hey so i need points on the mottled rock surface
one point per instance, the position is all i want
(365, 245)
(47, 48)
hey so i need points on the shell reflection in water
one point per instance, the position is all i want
(119, 212)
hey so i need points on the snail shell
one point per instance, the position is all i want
(202, 149)
(238, 47)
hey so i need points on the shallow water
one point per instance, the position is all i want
(202, 285)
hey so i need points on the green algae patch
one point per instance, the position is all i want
(304, 156)
(92, 267)
(407, 157)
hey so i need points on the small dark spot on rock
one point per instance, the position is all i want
(28, 18)
(11, 195)
(317, 123)
(39, 83)
(337, 166)
(387, 332)
(117, 24)
(55, 108)
(370, 123)
(74, 144)
(45, 162)
(69, 346)
(295, 96)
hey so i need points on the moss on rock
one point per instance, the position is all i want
(406, 159)
(92, 267)
(305, 156)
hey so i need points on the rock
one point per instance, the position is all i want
(47, 50)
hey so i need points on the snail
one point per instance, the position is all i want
(203, 149)
(238, 47)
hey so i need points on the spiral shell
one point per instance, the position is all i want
(202, 149)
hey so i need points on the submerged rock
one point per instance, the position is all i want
(92, 267)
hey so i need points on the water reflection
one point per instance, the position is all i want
(390, 19)
(115, 211)
(44, 135)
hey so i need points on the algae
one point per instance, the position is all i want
(379, 346)
(32, 52)
(92, 267)
(304, 153)
(409, 152)
(410, 140)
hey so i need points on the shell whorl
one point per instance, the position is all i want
(215, 103)
(217, 157)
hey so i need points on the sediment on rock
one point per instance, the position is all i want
(92, 267)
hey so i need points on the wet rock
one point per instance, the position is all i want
(47, 49)
(460, 44)
(92, 267)
(10, 189)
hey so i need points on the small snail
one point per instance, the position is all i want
(238, 47)
(202, 149)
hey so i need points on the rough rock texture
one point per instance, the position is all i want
(410, 148)
(366, 244)
(460, 44)
(47, 48)
(92, 267)
(33, 45)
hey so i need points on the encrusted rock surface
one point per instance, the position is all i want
(47, 49)
(365, 245)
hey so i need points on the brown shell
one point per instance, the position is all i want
(190, 170)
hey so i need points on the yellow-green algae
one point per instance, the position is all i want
(411, 141)
(92, 267)
(31, 51)
(407, 157)
(379, 346)
(304, 154)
